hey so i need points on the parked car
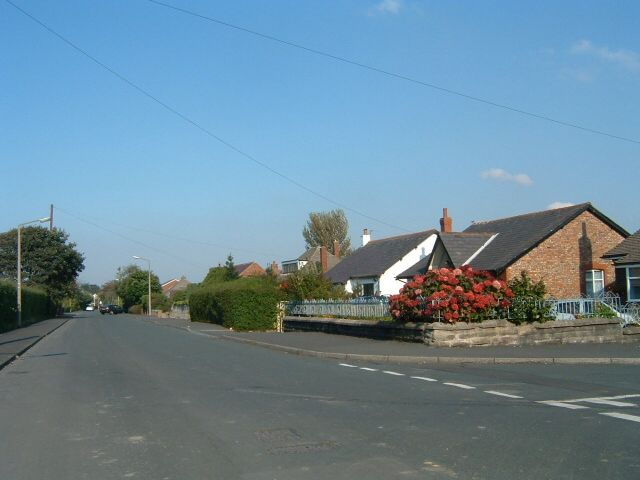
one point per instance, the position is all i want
(111, 309)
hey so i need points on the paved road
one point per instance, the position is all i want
(120, 397)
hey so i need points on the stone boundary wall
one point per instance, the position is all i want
(492, 332)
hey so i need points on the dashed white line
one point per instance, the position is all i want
(347, 365)
(570, 406)
(369, 369)
(389, 372)
(622, 416)
(426, 379)
(460, 385)
(501, 394)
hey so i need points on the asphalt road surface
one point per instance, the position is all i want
(118, 397)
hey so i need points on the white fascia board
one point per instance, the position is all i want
(470, 259)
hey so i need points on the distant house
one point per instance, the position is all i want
(314, 255)
(563, 247)
(174, 285)
(372, 269)
(626, 260)
(250, 269)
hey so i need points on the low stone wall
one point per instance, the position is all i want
(408, 332)
(492, 332)
(502, 332)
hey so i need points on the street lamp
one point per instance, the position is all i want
(19, 271)
(149, 262)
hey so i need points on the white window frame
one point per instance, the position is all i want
(629, 278)
(595, 292)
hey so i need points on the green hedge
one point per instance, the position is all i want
(36, 306)
(244, 304)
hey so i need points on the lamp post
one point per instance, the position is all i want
(149, 263)
(19, 266)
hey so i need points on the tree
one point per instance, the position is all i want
(134, 285)
(309, 283)
(323, 228)
(48, 260)
(230, 268)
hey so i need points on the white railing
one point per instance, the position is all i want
(354, 308)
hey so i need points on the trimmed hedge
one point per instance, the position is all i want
(244, 304)
(36, 306)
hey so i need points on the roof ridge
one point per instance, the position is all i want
(433, 230)
(577, 206)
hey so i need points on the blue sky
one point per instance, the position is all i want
(128, 177)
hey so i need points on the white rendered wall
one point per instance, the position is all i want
(388, 284)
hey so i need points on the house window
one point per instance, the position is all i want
(367, 289)
(595, 283)
(633, 286)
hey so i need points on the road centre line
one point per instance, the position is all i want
(622, 416)
(612, 403)
(426, 379)
(389, 372)
(501, 394)
(348, 365)
(369, 369)
(459, 385)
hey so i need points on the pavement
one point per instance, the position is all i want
(16, 342)
(346, 348)
(343, 347)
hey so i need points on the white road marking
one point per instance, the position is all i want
(369, 369)
(393, 373)
(570, 406)
(347, 365)
(460, 385)
(622, 416)
(604, 401)
(426, 379)
(500, 394)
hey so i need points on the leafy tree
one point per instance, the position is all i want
(49, 260)
(108, 293)
(309, 283)
(134, 284)
(323, 228)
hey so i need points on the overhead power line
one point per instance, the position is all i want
(197, 125)
(389, 73)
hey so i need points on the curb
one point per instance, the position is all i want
(28, 347)
(442, 360)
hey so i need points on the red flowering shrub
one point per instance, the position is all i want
(451, 295)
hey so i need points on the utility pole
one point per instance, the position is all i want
(51, 218)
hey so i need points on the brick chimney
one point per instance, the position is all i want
(366, 238)
(324, 259)
(336, 249)
(446, 223)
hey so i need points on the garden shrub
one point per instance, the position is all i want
(452, 295)
(136, 309)
(243, 304)
(528, 304)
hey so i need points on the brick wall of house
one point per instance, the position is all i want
(253, 270)
(562, 260)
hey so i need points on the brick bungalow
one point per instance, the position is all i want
(563, 247)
